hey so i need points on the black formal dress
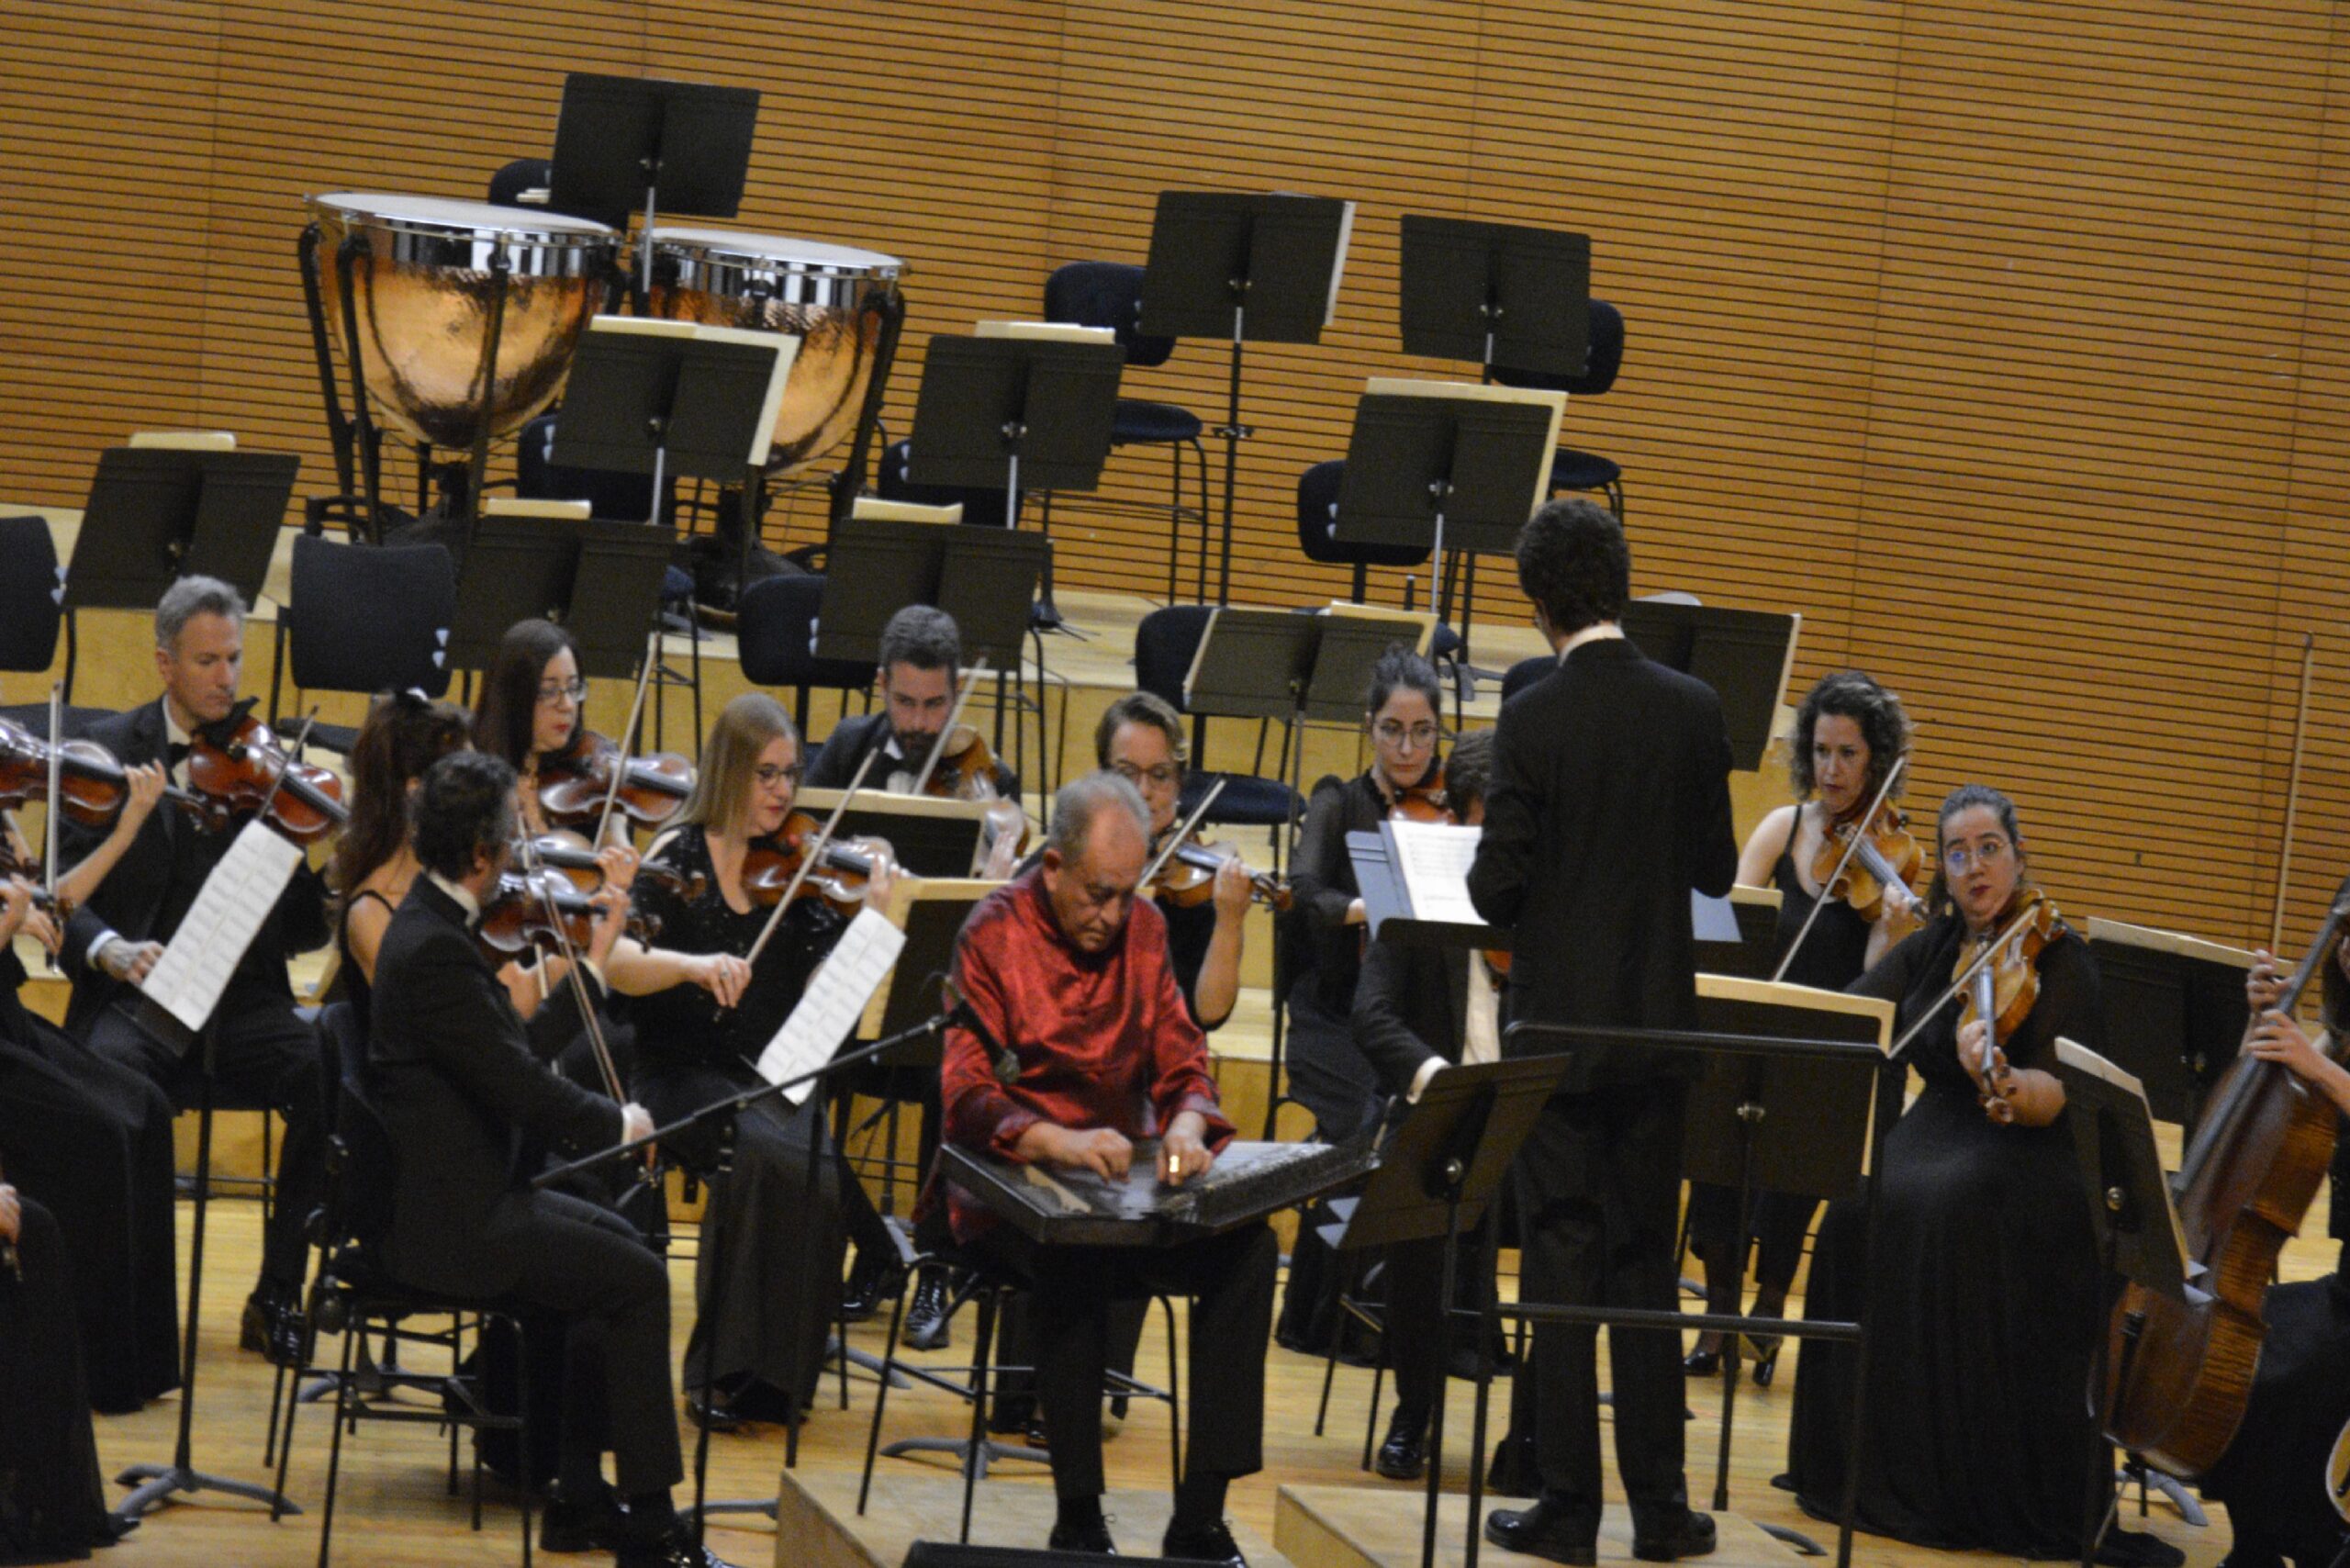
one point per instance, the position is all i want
(1981, 1289)
(782, 1237)
(263, 1055)
(92, 1140)
(1609, 805)
(1328, 1074)
(843, 752)
(52, 1502)
(1832, 957)
(467, 1104)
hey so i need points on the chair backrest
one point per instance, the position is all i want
(981, 507)
(507, 185)
(1317, 523)
(370, 618)
(1599, 370)
(30, 592)
(1165, 644)
(776, 632)
(1105, 294)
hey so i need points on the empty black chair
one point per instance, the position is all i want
(507, 185)
(1109, 293)
(32, 593)
(537, 477)
(982, 506)
(1317, 523)
(1164, 646)
(1573, 468)
(362, 618)
(776, 637)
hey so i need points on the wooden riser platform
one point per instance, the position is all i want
(817, 1524)
(1365, 1527)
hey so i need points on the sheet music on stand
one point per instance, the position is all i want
(836, 999)
(236, 899)
(1434, 859)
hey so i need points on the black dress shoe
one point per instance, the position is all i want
(714, 1414)
(871, 1280)
(1691, 1537)
(1702, 1364)
(2137, 1549)
(1092, 1536)
(1404, 1455)
(274, 1326)
(674, 1550)
(591, 1524)
(1206, 1544)
(926, 1319)
(1766, 1352)
(1546, 1531)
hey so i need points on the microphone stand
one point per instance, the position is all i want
(722, 1117)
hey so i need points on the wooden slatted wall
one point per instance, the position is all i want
(2003, 339)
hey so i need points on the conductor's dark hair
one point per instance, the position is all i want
(1401, 669)
(1938, 896)
(1849, 694)
(925, 637)
(1573, 563)
(506, 720)
(464, 807)
(1468, 771)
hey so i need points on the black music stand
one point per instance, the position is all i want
(601, 580)
(1756, 911)
(154, 1484)
(928, 837)
(1458, 472)
(678, 147)
(2176, 1013)
(1873, 1074)
(1495, 294)
(2142, 1244)
(157, 514)
(1435, 1176)
(1015, 411)
(1246, 268)
(1744, 655)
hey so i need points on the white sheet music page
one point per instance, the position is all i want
(1434, 859)
(834, 1000)
(187, 981)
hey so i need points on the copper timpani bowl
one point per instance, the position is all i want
(770, 283)
(425, 296)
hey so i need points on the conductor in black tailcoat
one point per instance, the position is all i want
(1609, 805)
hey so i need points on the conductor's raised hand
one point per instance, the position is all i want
(1184, 1153)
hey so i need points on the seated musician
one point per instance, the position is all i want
(455, 1080)
(1092, 1049)
(52, 1495)
(263, 1053)
(1416, 1008)
(534, 711)
(2275, 1477)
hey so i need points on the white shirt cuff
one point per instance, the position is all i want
(1428, 1070)
(97, 951)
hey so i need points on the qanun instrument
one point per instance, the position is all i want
(1079, 1208)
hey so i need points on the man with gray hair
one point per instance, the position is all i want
(263, 1055)
(1079, 1046)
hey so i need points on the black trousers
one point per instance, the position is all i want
(1599, 1189)
(264, 1057)
(1230, 1280)
(589, 1266)
(1417, 1336)
(1775, 1228)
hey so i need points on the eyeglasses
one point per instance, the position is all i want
(769, 776)
(1964, 857)
(555, 690)
(1420, 736)
(1164, 776)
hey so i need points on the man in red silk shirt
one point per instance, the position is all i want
(1091, 1049)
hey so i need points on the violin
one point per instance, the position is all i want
(1186, 878)
(522, 913)
(574, 785)
(1883, 855)
(240, 764)
(839, 876)
(2005, 990)
(964, 769)
(1423, 801)
(570, 853)
(91, 783)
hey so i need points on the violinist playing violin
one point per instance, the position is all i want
(704, 1011)
(263, 1054)
(1981, 1280)
(1849, 734)
(2274, 1477)
(533, 714)
(921, 678)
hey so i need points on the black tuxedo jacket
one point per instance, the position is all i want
(461, 1095)
(1412, 1002)
(1609, 804)
(131, 899)
(844, 751)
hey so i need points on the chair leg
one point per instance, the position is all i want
(1174, 1397)
(522, 1445)
(276, 1403)
(1371, 1415)
(334, 1451)
(978, 1453)
(881, 1395)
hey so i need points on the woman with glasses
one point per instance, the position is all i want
(1848, 733)
(534, 709)
(703, 1013)
(1981, 1279)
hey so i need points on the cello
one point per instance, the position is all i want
(2182, 1374)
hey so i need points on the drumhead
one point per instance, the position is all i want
(442, 217)
(776, 252)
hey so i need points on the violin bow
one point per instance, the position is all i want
(1852, 847)
(809, 855)
(954, 716)
(628, 740)
(1183, 831)
(2292, 794)
(570, 955)
(49, 815)
(1982, 961)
